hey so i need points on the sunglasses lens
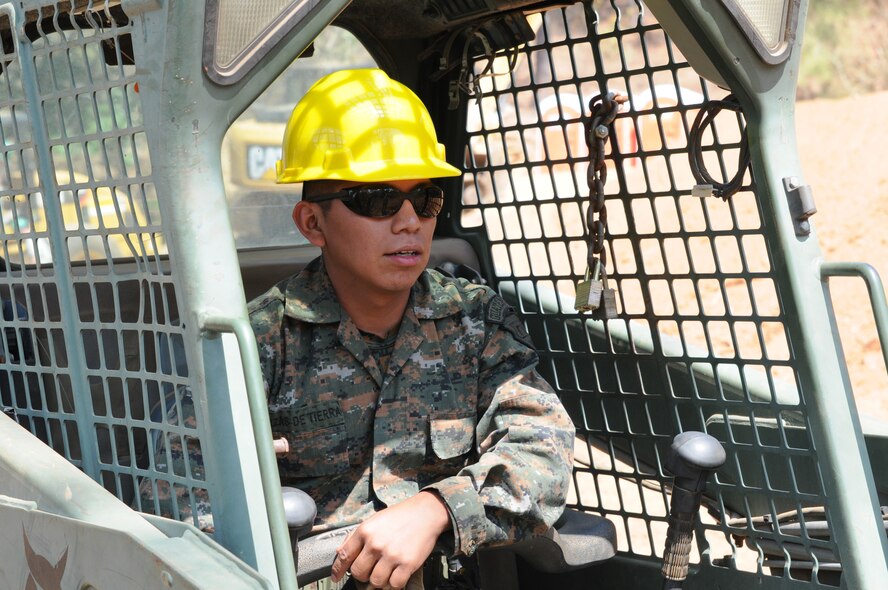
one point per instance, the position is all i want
(368, 201)
(385, 201)
(428, 201)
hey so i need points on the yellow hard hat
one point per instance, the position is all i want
(361, 125)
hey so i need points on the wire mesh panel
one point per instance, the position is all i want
(701, 341)
(94, 362)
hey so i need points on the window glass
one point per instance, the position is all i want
(241, 23)
(260, 209)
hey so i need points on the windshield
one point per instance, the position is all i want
(260, 209)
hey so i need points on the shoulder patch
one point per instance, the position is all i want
(496, 310)
(501, 313)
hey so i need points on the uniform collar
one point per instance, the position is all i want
(310, 296)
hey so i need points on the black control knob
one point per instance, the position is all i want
(300, 511)
(692, 457)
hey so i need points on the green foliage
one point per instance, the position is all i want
(845, 50)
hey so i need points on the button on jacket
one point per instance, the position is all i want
(459, 409)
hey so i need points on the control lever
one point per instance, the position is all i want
(692, 457)
(299, 508)
(300, 511)
(281, 446)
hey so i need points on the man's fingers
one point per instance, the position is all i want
(340, 565)
(345, 556)
(379, 578)
(402, 577)
(379, 542)
(363, 565)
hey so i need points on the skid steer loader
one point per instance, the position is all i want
(631, 184)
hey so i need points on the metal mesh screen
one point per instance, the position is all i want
(94, 361)
(241, 22)
(701, 341)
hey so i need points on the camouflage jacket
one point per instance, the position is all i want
(460, 409)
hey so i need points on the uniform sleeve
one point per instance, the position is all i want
(519, 484)
(265, 319)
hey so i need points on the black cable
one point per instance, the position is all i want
(705, 118)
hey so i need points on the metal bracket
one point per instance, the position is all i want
(874, 287)
(800, 198)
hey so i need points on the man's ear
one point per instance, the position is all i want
(309, 219)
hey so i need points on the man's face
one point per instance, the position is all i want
(375, 256)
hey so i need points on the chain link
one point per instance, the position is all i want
(603, 108)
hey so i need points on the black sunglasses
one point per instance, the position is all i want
(379, 200)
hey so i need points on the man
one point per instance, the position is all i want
(410, 401)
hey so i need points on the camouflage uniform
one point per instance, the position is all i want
(459, 409)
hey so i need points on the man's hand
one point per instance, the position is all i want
(393, 543)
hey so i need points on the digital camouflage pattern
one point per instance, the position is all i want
(460, 409)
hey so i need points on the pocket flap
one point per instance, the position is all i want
(452, 437)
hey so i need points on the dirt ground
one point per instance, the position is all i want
(842, 146)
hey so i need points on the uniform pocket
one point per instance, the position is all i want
(318, 452)
(452, 437)
(318, 439)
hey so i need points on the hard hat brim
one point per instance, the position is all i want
(373, 172)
